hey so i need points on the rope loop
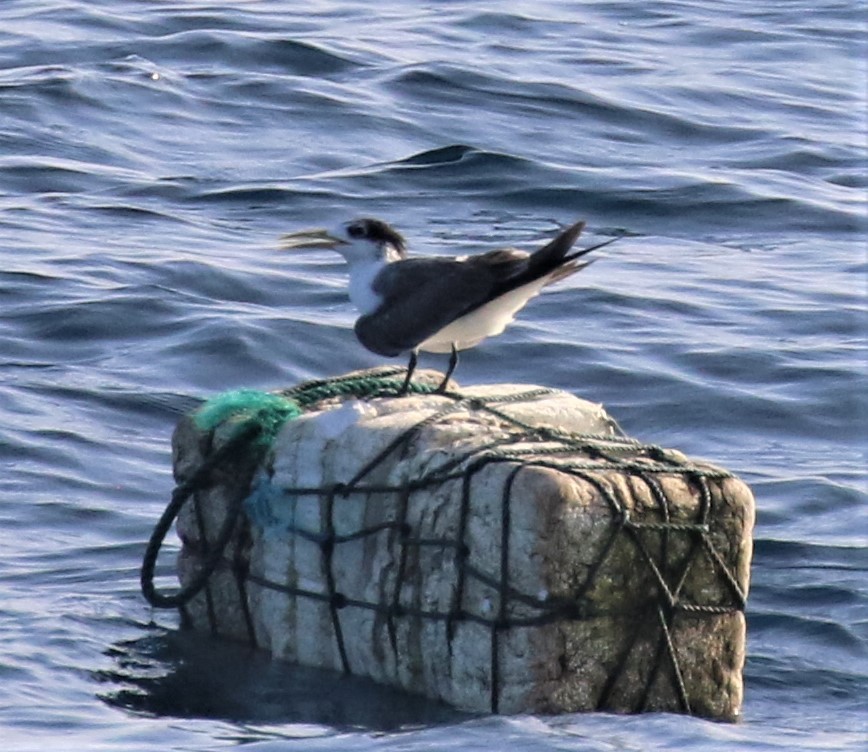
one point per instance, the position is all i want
(243, 437)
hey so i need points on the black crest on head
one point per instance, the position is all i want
(377, 231)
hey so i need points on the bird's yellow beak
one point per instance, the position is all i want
(310, 239)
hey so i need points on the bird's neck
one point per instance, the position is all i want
(390, 254)
(362, 274)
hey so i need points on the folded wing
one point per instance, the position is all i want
(420, 297)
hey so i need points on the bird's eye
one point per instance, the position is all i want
(355, 231)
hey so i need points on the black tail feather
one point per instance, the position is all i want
(552, 261)
(553, 253)
(583, 251)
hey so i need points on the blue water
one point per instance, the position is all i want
(151, 154)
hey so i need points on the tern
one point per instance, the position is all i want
(432, 303)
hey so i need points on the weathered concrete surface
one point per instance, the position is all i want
(565, 545)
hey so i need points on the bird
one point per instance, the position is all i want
(437, 304)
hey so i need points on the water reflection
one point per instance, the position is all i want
(189, 675)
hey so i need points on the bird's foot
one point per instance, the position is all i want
(411, 366)
(453, 362)
(405, 387)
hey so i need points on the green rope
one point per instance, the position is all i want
(243, 407)
(269, 411)
(361, 387)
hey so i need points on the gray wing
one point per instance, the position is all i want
(421, 296)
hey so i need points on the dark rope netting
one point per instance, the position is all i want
(521, 446)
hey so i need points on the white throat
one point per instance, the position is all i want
(362, 295)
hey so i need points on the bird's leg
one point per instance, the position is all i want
(411, 366)
(453, 361)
